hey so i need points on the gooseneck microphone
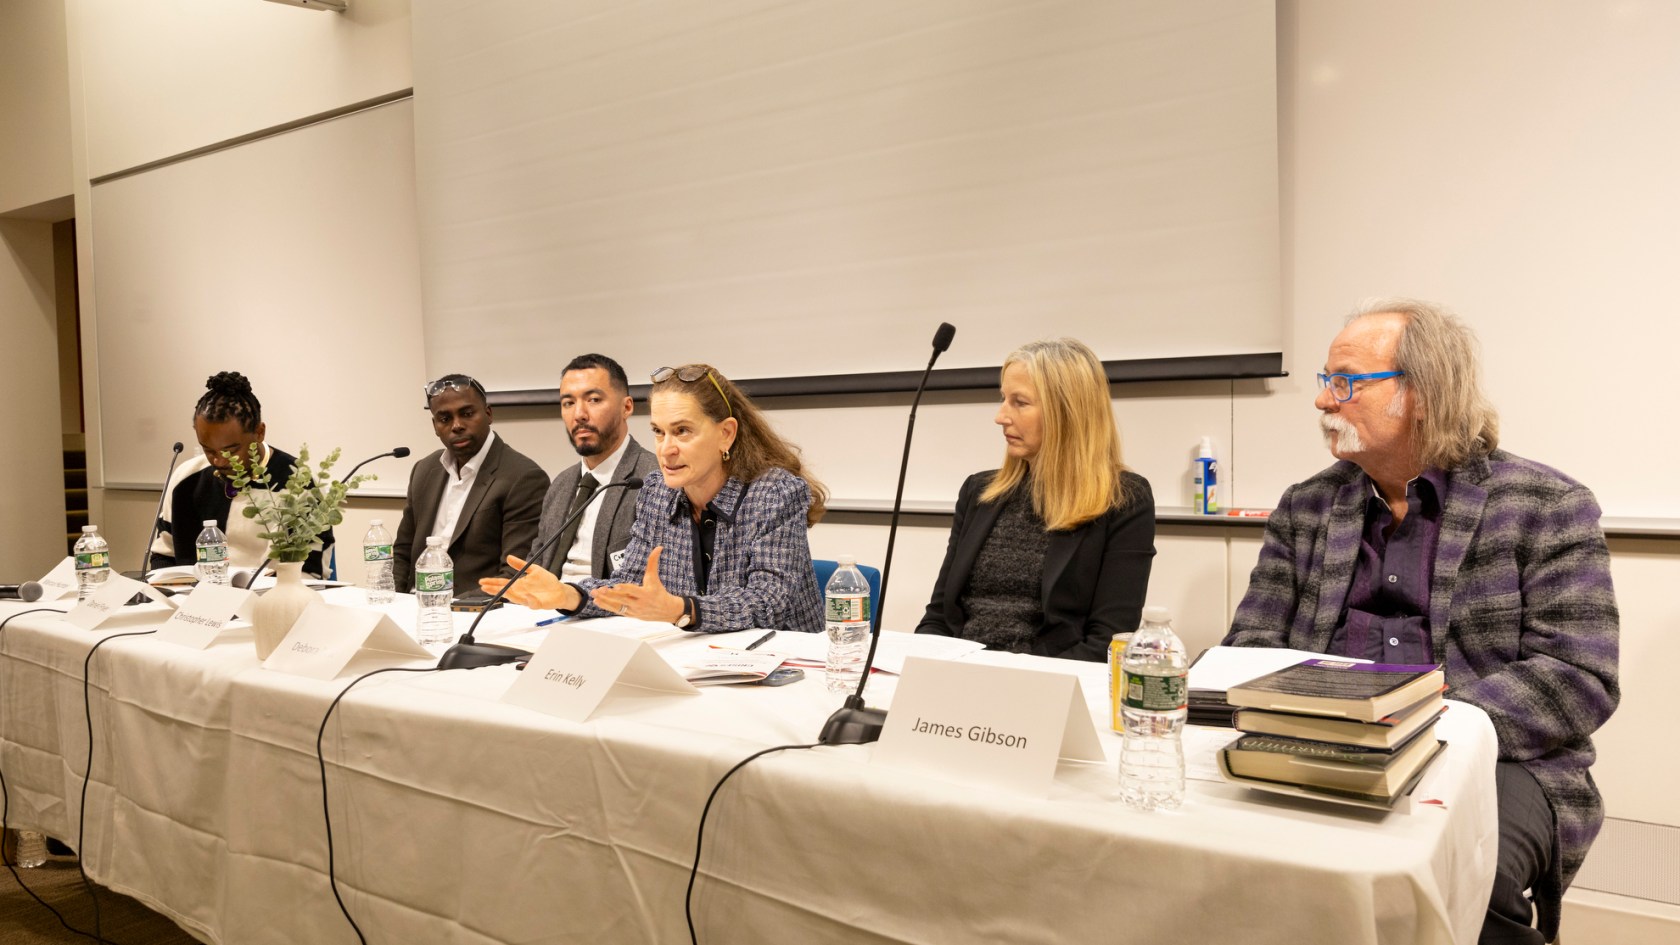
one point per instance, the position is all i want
(853, 723)
(468, 654)
(146, 559)
(400, 452)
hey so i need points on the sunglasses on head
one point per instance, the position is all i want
(689, 375)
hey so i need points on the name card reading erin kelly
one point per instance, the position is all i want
(575, 669)
(111, 598)
(209, 609)
(990, 725)
(60, 582)
(326, 636)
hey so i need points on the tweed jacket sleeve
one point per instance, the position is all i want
(761, 573)
(1522, 611)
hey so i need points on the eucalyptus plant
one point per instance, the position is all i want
(295, 514)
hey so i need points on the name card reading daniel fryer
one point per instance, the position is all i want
(990, 725)
(111, 599)
(575, 669)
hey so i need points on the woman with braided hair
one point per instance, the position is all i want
(227, 419)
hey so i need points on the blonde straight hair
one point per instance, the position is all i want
(1076, 475)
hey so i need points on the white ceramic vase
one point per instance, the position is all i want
(278, 607)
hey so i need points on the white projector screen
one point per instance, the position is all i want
(291, 259)
(811, 188)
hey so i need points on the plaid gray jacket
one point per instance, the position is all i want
(1522, 613)
(761, 572)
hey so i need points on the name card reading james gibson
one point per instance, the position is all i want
(995, 726)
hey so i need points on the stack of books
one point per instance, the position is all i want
(1359, 733)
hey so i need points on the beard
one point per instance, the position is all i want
(590, 449)
(1339, 435)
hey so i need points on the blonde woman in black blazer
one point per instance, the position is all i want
(1049, 555)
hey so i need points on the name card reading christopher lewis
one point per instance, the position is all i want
(991, 725)
(209, 609)
(575, 669)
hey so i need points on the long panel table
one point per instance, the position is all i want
(458, 819)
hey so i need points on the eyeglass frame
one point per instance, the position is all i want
(689, 375)
(452, 382)
(1324, 382)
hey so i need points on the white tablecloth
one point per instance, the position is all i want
(457, 819)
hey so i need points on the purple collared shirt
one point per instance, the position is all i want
(1387, 616)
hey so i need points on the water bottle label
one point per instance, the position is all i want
(848, 608)
(376, 552)
(212, 554)
(1156, 693)
(93, 560)
(430, 582)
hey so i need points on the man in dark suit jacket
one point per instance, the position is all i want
(595, 403)
(476, 490)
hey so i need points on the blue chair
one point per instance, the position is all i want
(825, 569)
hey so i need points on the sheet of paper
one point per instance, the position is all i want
(894, 649)
(1225, 666)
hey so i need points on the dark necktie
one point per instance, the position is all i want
(562, 548)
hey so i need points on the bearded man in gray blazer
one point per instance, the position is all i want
(477, 491)
(1427, 543)
(595, 404)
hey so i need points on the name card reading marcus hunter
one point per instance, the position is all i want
(60, 582)
(575, 669)
(990, 725)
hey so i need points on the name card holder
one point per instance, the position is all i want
(575, 669)
(109, 601)
(326, 637)
(60, 582)
(209, 610)
(994, 726)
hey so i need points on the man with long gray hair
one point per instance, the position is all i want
(1426, 543)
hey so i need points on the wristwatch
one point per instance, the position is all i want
(687, 614)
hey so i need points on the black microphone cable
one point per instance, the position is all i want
(326, 808)
(700, 835)
(6, 806)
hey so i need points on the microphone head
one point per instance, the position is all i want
(942, 337)
(400, 452)
(177, 447)
(634, 482)
(29, 591)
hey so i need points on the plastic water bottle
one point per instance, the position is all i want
(31, 849)
(1204, 475)
(212, 554)
(93, 562)
(1154, 708)
(847, 611)
(377, 579)
(434, 584)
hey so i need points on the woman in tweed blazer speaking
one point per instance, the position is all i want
(720, 540)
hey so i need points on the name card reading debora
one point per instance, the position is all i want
(110, 599)
(575, 669)
(60, 582)
(326, 636)
(208, 611)
(991, 725)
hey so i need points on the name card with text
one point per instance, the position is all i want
(108, 601)
(326, 636)
(209, 609)
(990, 725)
(575, 669)
(60, 582)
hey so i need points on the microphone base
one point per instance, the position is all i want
(475, 655)
(853, 725)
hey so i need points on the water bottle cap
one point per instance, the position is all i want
(89, 529)
(1157, 615)
(376, 522)
(434, 541)
(209, 523)
(847, 561)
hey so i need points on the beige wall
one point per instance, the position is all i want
(34, 104)
(32, 478)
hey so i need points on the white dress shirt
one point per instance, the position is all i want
(456, 487)
(578, 565)
(246, 546)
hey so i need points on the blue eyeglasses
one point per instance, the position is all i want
(1341, 385)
